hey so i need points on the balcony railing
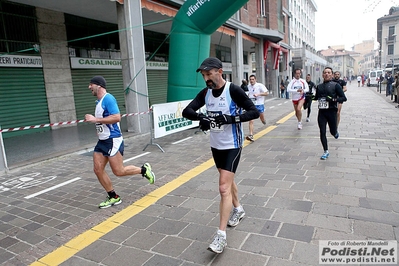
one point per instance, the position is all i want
(94, 53)
(391, 38)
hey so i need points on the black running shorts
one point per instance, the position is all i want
(227, 159)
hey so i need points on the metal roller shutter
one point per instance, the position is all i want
(157, 81)
(23, 100)
(84, 100)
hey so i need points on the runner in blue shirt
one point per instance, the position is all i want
(110, 145)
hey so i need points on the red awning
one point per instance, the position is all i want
(159, 8)
(276, 49)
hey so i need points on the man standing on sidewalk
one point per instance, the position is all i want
(298, 87)
(110, 145)
(286, 82)
(256, 92)
(224, 102)
(390, 81)
(328, 94)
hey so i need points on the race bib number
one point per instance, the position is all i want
(99, 128)
(298, 88)
(323, 103)
(253, 100)
(213, 126)
(216, 128)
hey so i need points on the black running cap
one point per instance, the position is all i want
(100, 81)
(210, 63)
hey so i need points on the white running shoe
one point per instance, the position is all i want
(218, 244)
(307, 119)
(299, 125)
(236, 217)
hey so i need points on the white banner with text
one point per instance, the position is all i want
(168, 118)
(360, 252)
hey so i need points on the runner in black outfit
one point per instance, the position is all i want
(341, 82)
(308, 97)
(328, 95)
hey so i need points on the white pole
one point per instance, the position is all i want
(3, 159)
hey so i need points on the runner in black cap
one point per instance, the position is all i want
(224, 103)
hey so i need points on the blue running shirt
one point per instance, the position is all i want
(107, 106)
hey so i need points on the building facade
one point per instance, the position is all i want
(388, 40)
(340, 60)
(302, 39)
(50, 50)
(363, 53)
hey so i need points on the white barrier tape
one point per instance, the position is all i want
(60, 123)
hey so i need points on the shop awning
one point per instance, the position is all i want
(159, 8)
(277, 50)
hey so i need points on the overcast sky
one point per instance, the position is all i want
(348, 22)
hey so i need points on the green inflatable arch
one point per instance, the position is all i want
(190, 43)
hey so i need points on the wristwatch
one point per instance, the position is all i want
(237, 119)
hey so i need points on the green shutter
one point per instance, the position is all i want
(84, 100)
(157, 81)
(23, 100)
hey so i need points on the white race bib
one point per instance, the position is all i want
(216, 128)
(323, 103)
(213, 126)
(99, 128)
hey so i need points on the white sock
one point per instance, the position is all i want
(223, 233)
(239, 208)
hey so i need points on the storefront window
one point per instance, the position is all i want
(92, 38)
(18, 32)
(223, 53)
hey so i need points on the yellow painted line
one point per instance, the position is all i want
(83, 240)
(285, 118)
(264, 132)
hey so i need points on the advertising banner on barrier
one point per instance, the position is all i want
(168, 118)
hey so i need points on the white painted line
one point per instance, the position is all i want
(135, 157)
(51, 188)
(279, 104)
(272, 107)
(84, 151)
(181, 140)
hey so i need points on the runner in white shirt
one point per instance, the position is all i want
(257, 93)
(298, 87)
(224, 103)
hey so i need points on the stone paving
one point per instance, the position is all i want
(292, 199)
